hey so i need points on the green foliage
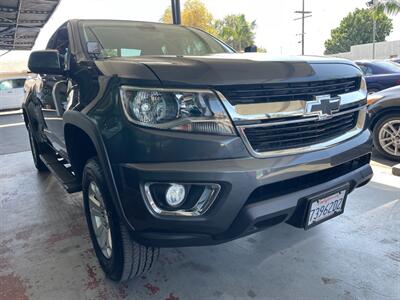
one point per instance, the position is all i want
(356, 28)
(236, 31)
(195, 14)
(391, 7)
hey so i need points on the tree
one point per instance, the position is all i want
(236, 31)
(356, 28)
(195, 14)
(391, 7)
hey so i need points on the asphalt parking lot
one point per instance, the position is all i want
(45, 252)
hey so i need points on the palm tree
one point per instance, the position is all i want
(378, 7)
(391, 7)
(236, 31)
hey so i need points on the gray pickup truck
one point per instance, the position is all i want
(177, 140)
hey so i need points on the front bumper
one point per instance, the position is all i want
(255, 193)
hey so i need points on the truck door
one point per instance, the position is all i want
(57, 92)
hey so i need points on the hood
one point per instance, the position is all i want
(230, 69)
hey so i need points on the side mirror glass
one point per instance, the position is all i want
(252, 48)
(93, 48)
(45, 62)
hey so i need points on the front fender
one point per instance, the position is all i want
(87, 125)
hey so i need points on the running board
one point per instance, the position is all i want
(62, 171)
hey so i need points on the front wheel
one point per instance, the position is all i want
(120, 257)
(387, 136)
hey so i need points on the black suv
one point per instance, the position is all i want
(177, 140)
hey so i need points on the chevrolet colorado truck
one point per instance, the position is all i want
(177, 140)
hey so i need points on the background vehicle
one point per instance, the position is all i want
(176, 140)
(384, 108)
(11, 92)
(396, 60)
(380, 74)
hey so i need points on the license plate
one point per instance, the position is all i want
(325, 208)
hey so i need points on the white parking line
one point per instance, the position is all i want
(10, 112)
(12, 125)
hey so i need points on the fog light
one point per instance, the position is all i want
(175, 195)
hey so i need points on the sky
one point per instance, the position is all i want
(276, 29)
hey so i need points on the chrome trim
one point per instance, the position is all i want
(275, 153)
(160, 89)
(282, 109)
(300, 120)
(204, 203)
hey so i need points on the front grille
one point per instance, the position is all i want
(274, 92)
(299, 134)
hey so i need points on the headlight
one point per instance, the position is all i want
(184, 110)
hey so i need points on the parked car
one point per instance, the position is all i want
(11, 92)
(177, 140)
(384, 108)
(380, 74)
(396, 60)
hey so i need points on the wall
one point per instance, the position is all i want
(383, 50)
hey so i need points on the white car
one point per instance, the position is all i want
(11, 92)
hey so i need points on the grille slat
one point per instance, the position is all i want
(266, 88)
(297, 135)
(294, 135)
(297, 127)
(259, 93)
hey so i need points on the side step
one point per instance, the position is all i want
(62, 171)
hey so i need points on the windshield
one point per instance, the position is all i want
(388, 66)
(126, 39)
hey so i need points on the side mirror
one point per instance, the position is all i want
(93, 48)
(252, 48)
(45, 62)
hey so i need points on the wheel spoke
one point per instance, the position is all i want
(388, 144)
(385, 139)
(388, 132)
(95, 211)
(392, 129)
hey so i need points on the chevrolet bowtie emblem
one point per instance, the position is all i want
(323, 106)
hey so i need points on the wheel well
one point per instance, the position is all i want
(80, 148)
(381, 114)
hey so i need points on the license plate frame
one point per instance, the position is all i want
(323, 196)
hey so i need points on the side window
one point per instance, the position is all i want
(50, 44)
(366, 70)
(60, 42)
(18, 83)
(369, 71)
(6, 85)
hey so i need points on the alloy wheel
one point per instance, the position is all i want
(99, 219)
(389, 137)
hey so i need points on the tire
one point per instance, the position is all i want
(121, 258)
(381, 134)
(36, 151)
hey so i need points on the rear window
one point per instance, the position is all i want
(388, 66)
